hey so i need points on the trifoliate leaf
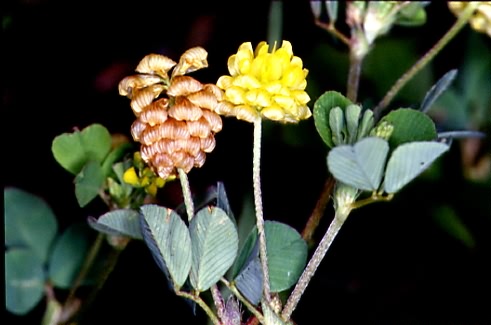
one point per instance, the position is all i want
(410, 160)
(73, 150)
(214, 244)
(360, 165)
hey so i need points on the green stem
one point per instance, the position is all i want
(244, 301)
(319, 209)
(110, 264)
(89, 261)
(321, 250)
(256, 178)
(423, 61)
(186, 192)
(202, 304)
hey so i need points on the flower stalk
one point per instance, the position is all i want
(258, 203)
(186, 192)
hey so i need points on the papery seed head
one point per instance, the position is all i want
(208, 143)
(155, 64)
(128, 85)
(183, 86)
(144, 97)
(184, 110)
(214, 120)
(155, 113)
(137, 128)
(203, 99)
(191, 60)
(199, 128)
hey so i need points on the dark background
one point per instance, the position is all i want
(391, 263)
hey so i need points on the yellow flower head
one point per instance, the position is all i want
(481, 20)
(176, 120)
(265, 84)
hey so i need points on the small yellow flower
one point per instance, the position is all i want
(141, 176)
(263, 84)
(481, 20)
(131, 177)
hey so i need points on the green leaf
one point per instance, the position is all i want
(88, 183)
(352, 115)
(215, 243)
(73, 150)
(437, 89)
(322, 109)
(29, 222)
(410, 125)
(122, 222)
(410, 160)
(167, 237)
(250, 279)
(114, 156)
(68, 254)
(24, 280)
(449, 221)
(287, 255)
(360, 165)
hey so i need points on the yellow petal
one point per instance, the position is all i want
(287, 46)
(233, 65)
(151, 189)
(261, 48)
(274, 113)
(246, 82)
(286, 102)
(258, 98)
(235, 95)
(293, 77)
(301, 97)
(224, 82)
(131, 177)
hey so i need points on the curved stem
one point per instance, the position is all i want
(332, 29)
(186, 192)
(258, 202)
(319, 209)
(89, 261)
(423, 61)
(315, 260)
(243, 300)
(202, 304)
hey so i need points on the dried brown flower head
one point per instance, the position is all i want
(176, 122)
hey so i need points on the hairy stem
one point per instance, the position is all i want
(319, 209)
(354, 76)
(425, 59)
(186, 192)
(258, 202)
(315, 260)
